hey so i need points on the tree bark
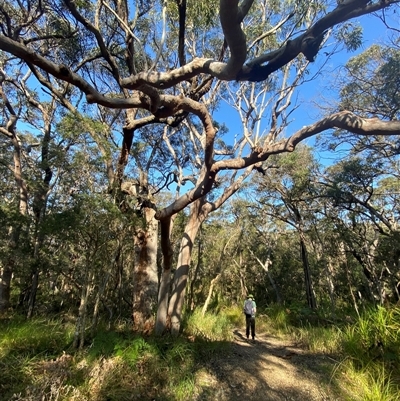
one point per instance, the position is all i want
(307, 275)
(344, 262)
(165, 281)
(181, 274)
(210, 292)
(265, 266)
(22, 202)
(145, 273)
(194, 277)
(5, 285)
(79, 335)
(32, 293)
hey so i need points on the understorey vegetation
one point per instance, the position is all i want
(38, 360)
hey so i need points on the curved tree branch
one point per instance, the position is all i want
(309, 42)
(345, 120)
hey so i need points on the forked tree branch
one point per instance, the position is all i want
(344, 120)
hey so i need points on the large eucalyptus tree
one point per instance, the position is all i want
(167, 63)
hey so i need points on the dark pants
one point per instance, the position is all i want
(250, 324)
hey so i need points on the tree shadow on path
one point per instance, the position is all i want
(267, 369)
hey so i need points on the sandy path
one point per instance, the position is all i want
(270, 369)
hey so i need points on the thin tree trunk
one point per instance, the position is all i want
(14, 231)
(32, 293)
(210, 292)
(243, 287)
(5, 285)
(273, 284)
(40, 205)
(79, 335)
(377, 280)
(98, 299)
(343, 256)
(307, 275)
(329, 272)
(266, 265)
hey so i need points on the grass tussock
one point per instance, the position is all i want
(372, 383)
(371, 346)
(325, 340)
(211, 326)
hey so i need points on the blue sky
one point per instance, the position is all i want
(322, 88)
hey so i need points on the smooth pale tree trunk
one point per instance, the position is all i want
(266, 265)
(182, 271)
(330, 273)
(199, 211)
(145, 273)
(210, 292)
(194, 278)
(80, 328)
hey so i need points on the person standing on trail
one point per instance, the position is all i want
(249, 310)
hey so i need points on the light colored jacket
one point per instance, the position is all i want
(254, 309)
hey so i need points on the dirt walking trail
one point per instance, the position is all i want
(269, 369)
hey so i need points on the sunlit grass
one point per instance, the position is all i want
(375, 335)
(372, 383)
(36, 358)
(26, 343)
(326, 340)
(371, 349)
(34, 336)
(210, 326)
(279, 320)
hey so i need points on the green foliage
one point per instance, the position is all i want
(234, 314)
(371, 383)
(319, 339)
(372, 82)
(210, 326)
(350, 35)
(33, 337)
(371, 363)
(131, 350)
(201, 15)
(279, 317)
(24, 344)
(375, 336)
